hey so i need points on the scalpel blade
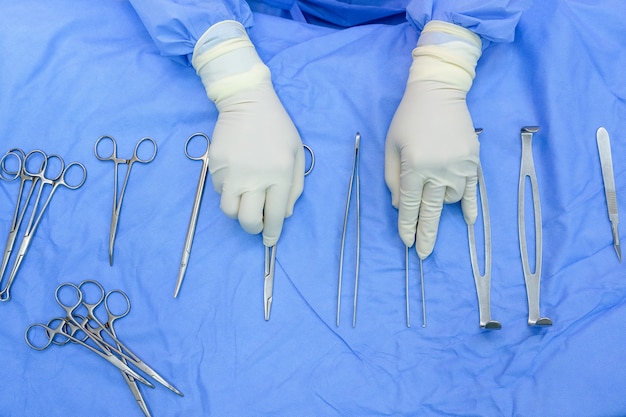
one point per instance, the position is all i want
(604, 149)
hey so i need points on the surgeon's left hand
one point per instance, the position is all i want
(432, 151)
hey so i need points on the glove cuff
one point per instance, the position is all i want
(227, 62)
(446, 53)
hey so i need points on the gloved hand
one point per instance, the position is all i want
(432, 151)
(256, 158)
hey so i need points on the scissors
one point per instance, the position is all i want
(270, 257)
(39, 178)
(117, 202)
(191, 230)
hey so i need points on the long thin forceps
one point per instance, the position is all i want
(270, 257)
(355, 180)
(606, 161)
(37, 213)
(117, 201)
(532, 279)
(193, 221)
(406, 289)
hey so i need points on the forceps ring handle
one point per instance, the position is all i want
(154, 150)
(5, 174)
(113, 154)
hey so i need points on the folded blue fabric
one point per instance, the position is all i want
(71, 73)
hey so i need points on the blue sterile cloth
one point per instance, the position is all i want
(73, 71)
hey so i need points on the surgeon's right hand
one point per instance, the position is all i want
(256, 154)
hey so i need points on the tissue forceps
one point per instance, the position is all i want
(532, 279)
(356, 180)
(193, 221)
(117, 201)
(38, 177)
(270, 257)
(406, 289)
(606, 161)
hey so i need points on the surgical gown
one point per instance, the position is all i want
(72, 71)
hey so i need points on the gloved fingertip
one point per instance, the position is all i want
(395, 200)
(269, 240)
(470, 219)
(470, 210)
(252, 228)
(423, 250)
(407, 237)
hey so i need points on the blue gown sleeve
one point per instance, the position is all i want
(176, 25)
(492, 20)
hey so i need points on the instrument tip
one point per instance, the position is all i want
(268, 308)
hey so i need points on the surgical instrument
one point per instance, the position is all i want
(123, 350)
(117, 201)
(354, 179)
(193, 221)
(532, 279)
(39, 179)
(89, 331)
(69, 328)
(270, 257)
(18, 214)
(406, 289)
(482, 282)
(606, 161)
(5, 173)
(130, 381)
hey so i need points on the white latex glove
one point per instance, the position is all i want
(432, 151)
(256, 155)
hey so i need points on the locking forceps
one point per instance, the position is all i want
(117, 201)
(356, 181)
(39, 180)
(532, 279)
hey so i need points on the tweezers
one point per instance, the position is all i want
(354, 178)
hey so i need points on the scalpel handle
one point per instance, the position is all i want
(606, 161)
